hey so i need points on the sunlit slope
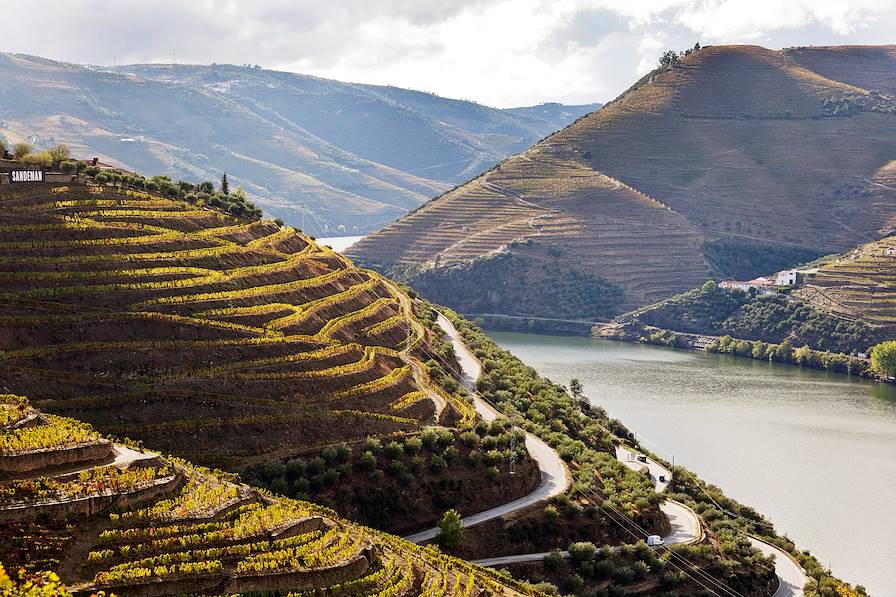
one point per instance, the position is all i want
(198, 333)
(105, 516)
(869, 67)
(738, 144)
(860, 284)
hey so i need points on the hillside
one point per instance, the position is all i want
(769, 319)
(348, 155)
(860, 284)
(738, 158)
(223, 340)
(106, 516)
(847, 307)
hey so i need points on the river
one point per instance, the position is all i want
(815, 452)
(339, 243)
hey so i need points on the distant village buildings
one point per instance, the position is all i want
(762, 285)
(770, 284)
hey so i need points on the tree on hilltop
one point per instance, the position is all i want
(20, 150)
(225, 186)
(669, 59)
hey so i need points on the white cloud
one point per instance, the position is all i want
(500, 52)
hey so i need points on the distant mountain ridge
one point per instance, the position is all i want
(311, 150)
(739, 158)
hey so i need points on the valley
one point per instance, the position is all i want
(198, 399)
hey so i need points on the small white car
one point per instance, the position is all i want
(655, 540)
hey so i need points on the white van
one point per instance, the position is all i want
(655, 541)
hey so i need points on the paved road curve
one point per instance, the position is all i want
(555, 477)
(791, 576)
(686, 526)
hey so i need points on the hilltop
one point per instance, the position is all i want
(339, 154)
(106, 516)
(736, 161)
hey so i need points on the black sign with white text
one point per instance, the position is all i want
(26, 176)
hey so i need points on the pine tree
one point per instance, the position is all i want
(225, 186)
(451, 530)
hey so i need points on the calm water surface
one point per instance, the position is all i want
(815, 452)
(339, 243)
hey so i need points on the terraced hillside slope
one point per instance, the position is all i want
(860, 284)
(340, 154)
(739, 158)
(105, 516)
(215, 338)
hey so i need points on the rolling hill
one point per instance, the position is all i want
(341, 154)
(738, 160)
(220, 339)
(107, 516)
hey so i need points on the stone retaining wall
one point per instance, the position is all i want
(88, 506)
(41, 459)
(220, 584)
(306, 579)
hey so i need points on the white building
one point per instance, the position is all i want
(795, 277)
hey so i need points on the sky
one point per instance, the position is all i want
(501, 53)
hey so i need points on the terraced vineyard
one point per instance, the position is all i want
(768, 152)
(860, 284)
(206, 336)
(108, 517)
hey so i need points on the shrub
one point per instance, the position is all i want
(553, 560)
(450, 454)
(368, 461)
(437, 464)
(582, 551)
(372, 444)
(413, 445)
(394, 450)
(68, 167)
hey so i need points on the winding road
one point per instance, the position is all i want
(791, 576)
(686, 525)
(555, 476)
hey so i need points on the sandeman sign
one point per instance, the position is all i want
(26, 176)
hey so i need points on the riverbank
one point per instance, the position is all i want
(773, 436)
(528, 323)
(783, 352)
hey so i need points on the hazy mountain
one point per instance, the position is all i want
(352, 155)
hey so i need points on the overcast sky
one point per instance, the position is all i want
(498, 52)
